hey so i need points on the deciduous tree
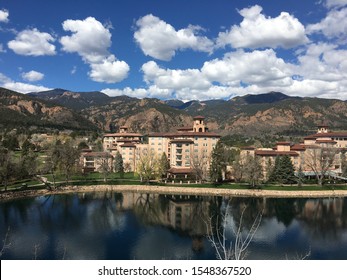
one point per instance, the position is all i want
(252, 170)
(7, 166)
(146, 165)
(320, 160)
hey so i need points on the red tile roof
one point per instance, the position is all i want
(328, 134)
(276, 153)
(130, 145)
(248, 148)
(184, 133)
(325, 141)
(185, 128)
(122, 135)
(182, 141)
(298, 147)
(199, 118)
(182, 170)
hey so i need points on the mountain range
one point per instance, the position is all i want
(251, 115)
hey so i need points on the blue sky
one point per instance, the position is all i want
(182, 49)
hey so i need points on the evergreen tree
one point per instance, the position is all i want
(274, 175)
(238, 169)
(27, 146)
(216, 166)
(118, 164)
(220, 158)
(283, 171)
(287, 170)
(163, 166)
(10, 142)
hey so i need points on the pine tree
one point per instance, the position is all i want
(283, 171)
(287, 170)
(274, 176)
(217, 163)
(118, 164)
(163, 166)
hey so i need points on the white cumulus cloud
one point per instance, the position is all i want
(235, 74)
(6, 82)
(32, 76)
(336, 3)
(91, 40)
(32, 42)
(109, 70)
(138, 93)
(261, 67)
(161, 40)
(174, 79)
(4, 16)
(320, 71)
(334, 25)
(258, 31)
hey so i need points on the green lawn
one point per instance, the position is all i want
(19, 184)
(94, 176)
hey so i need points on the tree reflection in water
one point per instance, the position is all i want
(108, 224)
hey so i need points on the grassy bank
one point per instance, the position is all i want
(131, 179)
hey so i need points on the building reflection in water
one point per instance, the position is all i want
(91, 220)
(188, 215)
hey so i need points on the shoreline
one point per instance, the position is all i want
(6, 196)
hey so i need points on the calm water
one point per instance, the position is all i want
(139, 226)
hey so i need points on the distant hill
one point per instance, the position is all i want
(270, 97)
(142, 115)
(262, 114)
(20, 110)
(73, 100)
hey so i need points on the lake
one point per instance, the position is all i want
(129, 226)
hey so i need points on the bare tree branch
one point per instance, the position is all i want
(5, 243)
